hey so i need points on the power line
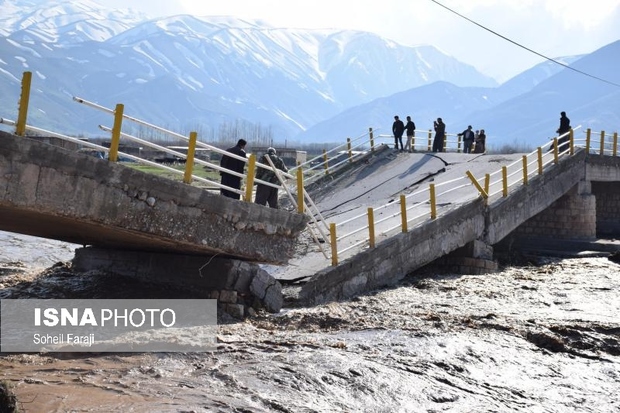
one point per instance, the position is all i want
(525, 47)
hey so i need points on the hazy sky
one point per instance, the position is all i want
(551, 27)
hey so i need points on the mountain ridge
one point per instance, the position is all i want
(194, 73)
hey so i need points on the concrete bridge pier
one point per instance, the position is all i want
(571, 217)
(475, 257)
(240, 287)
(569, 223)
(607, 209)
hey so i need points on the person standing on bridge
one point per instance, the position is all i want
(398, 128)
(481, 139)
(410, 129)
(563, 129)
(235, 165)
(440, 135)
(266, 194)
(468, 139)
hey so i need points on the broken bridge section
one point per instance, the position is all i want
(50, 192)
(576, 200)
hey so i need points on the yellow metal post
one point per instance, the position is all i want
(504, 181)
(371, 227)
(588, 137)
(116, 132)
(556, 150)
(325, 163)
(540, 162)
(615, 149)
(483, 191)
(372, 139)
(249, 181)
(403, 212)
(524, 169)
(349, 150)
(332, 233)
(602, 143)
(572, 142)
(431, 188)
(430, 144)
(24, 100)
(487, 183)
(300, 191)
(189, 162)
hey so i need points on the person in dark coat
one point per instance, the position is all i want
(398, 128)
(468, 139)
(440, 135)
(233, 164)
(268, 195)
(481, 139)
(564, 128)
(410, 129)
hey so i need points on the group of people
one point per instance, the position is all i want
(398, 129)
(473, 142)
(265, 194)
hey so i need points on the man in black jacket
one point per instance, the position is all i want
(235, 165)
(468, 139)
(398, 128)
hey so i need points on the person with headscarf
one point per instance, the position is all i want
(398, 128)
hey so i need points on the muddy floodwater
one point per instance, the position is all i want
(542, 336)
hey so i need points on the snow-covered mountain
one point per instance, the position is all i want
(189, 73)
(63, 22)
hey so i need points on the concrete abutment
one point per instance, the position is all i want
(240, 287)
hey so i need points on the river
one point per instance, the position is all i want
(540, 336)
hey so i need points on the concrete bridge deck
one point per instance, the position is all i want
(50, 192)
(563, 198)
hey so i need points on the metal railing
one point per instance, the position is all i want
(425, 202)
